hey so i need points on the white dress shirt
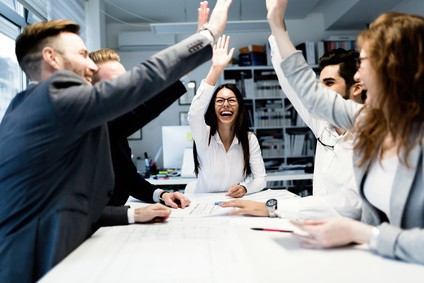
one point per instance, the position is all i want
(220, 169)
(335, 191)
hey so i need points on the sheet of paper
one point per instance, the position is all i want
(201, 209)
(267, 194)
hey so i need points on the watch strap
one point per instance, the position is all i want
(161, 195)
(214, 35)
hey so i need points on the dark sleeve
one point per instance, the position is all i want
(143, 114)
(142, 189)
(127, 180)
(83, 107)
(111, 216)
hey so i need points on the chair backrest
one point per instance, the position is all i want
(187, 168)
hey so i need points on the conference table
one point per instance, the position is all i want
(204, 244)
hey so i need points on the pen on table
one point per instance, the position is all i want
(272, 230)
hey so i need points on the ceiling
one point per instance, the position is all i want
(338, 14)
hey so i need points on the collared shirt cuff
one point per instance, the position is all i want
(130, 214)
(208, 35)
(156, 194)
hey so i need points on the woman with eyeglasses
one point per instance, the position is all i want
(227, 156)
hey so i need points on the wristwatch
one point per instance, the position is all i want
(160, 196)
(271, 205)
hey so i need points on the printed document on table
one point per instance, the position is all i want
(201, 209)
(207, 204)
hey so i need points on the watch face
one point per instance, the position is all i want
(271, 202)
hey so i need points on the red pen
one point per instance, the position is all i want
(272, 230)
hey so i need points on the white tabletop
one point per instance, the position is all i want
(220, 249)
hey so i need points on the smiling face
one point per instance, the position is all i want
(330, 78)
(72, 55)
(367, 77)
(337, 70)
(226, 107)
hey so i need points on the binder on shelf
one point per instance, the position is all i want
(249, 107)
(347, 42)
(270, 114)
(265, 75)
(308, 50)
(249, 88)
(342, 37)
(320, 50)
(296, 141)
(253, 55)
(240, 76)
(271, 146)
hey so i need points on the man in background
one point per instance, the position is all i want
(334, 185)
(56, 173)
(127, 181)
(335, 191)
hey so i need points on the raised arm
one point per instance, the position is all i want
(199, 105)
(218, 17)
(276, 12)
(202, 15)
(319, 101)
(220, 59)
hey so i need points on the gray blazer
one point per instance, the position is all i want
(55, 167)
(402, 234)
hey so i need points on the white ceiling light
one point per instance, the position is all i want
(191, 27)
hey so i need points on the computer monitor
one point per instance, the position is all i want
(175, 139)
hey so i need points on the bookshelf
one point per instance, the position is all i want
(286, 142)
(312, 51)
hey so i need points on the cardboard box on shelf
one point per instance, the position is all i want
(253, 55)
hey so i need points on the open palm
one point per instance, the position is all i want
(221, 57)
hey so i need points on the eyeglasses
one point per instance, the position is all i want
(329, 137)
(325, 145)
(359, 61)
(220, 101)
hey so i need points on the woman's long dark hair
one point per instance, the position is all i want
(241, 127)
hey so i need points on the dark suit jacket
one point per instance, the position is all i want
(127, 180)
(55, 167)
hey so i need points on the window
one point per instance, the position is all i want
(15, 6)
(15, 15)
(11, 76)
(52, 9)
